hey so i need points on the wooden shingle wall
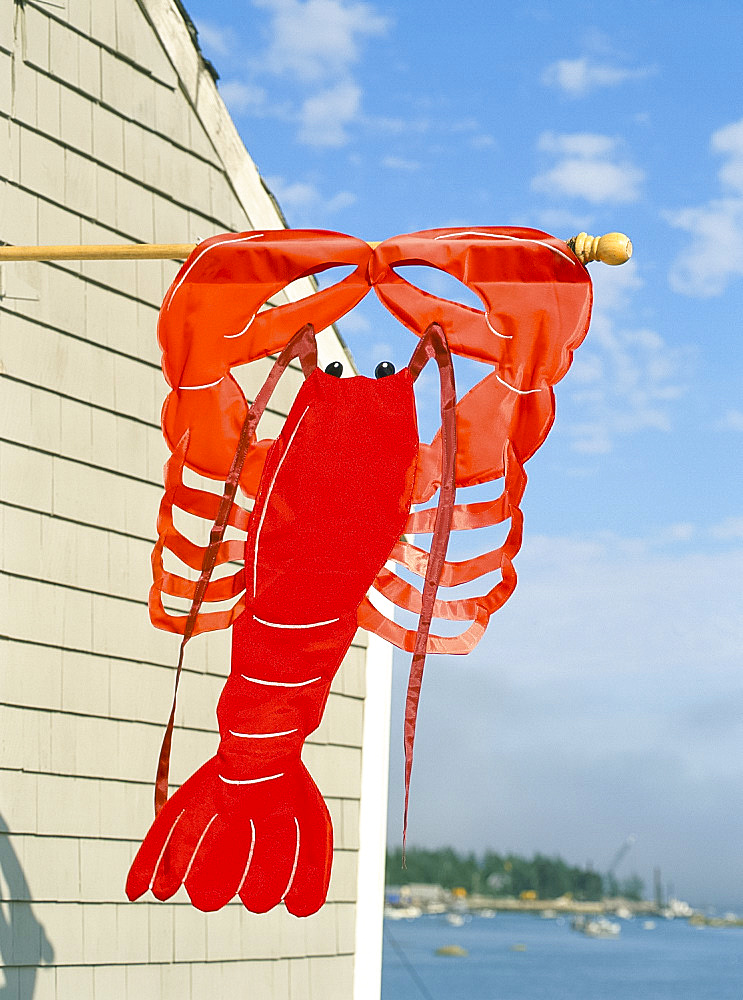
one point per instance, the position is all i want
(100, 142)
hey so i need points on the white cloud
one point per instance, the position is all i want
(314, 46)
(582, 144)
(385, 123)
(681, 532)
(306, 200)
(589, 166)
(316, 43)
(714, 255)
(729, 142)
(220, 40)
(401, 126)
(564, 223)
(731, 529)
(355, 322)
(318, 40)
(325, 116)
(465, 125)
(578, 77)
(732, 421)
(614, 286)
(240, 97)
(609, 690)
(624, 378)
(595, 180)
(400, 163)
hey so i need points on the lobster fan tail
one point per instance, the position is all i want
(266, 845)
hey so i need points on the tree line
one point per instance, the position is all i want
(507, 874)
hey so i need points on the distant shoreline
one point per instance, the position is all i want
(476, 902)
(562, 905)
(436, 899)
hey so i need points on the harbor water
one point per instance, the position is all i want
(519, 956)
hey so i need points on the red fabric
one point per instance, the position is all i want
(433, 345)
(210, 322)
(333, 497)
(317, 538)
(302, 345)
(532, 287)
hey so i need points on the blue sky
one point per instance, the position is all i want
(607, 697)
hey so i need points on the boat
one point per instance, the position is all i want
(402, 912)
(676, 908)
(452, 951)
(597, 927)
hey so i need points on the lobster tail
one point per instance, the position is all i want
(267, 842)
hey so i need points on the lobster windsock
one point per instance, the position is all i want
(333, 502)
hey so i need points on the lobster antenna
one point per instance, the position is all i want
(433, 345)
(304, 346)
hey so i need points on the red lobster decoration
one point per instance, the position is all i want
(332, 499)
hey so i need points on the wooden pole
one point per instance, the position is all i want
(116, 251)
(613, 248)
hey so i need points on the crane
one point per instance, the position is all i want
(624, 847)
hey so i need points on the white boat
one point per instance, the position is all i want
(602, 928)
(597, 927)
(454, 919)
(676, 908)
(402, 912)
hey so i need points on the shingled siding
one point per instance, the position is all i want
(105, 137)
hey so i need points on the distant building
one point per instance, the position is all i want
(112, 130)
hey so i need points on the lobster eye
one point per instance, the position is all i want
(334, 368)
(384, 368)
